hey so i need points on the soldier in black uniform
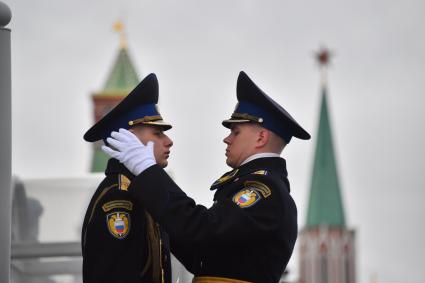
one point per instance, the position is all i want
(249, 233)
(121, 243)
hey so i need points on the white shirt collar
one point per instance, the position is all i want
(260, 155)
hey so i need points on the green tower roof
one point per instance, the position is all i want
(123, 76)
(325, 204)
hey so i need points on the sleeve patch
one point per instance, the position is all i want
(246, 197)
(258, 186)
(126, 204)
(118, 224)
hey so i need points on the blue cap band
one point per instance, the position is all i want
(136, 113)
(268, 120)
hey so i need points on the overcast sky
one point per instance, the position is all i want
(63, 51)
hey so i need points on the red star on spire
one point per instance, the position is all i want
(323, 56)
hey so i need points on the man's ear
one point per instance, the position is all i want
(263, 137)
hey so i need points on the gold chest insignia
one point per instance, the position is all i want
(118, 224)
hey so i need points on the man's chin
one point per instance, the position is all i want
(230, 163)
(163, 164)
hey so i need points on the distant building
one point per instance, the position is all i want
(327, 245)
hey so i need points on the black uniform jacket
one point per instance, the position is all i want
(248, 234)
(115, 241)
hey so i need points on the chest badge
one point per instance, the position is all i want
(246, 198)
(118, 224)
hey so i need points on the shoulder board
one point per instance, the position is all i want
(226, 177)
(123, 182)
(260, 172)
(235, 176)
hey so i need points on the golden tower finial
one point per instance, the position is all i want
(119, 27)
(323, 57)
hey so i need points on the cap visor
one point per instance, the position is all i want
(161, 124)
(302, 134)
(228, 123)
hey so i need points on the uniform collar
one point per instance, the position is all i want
(260, 155)
(264, 165)
(115, 167)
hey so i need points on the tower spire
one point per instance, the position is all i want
(123, 76)
(325, 204)
(323, 57)
(119, 28)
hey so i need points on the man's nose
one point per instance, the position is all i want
(169, 142)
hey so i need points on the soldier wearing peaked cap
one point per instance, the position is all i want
(121, 242)
(249, 233)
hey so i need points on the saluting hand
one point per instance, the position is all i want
(130, 151)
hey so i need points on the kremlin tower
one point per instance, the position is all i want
(327, 245)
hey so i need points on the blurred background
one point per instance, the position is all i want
(64, 53)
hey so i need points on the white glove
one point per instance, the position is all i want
(130, 151)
